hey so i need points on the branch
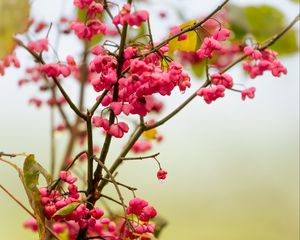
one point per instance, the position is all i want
(126, 149)
(83, 75)
(67, 168)
(140, 158)
(279, 35)
(40, 60)
(52, 142)
(90, 154)
(121, 184)
(60, 109)
(68, 99)
(115, 185)
(17, 201)
(178, 109)
(11, 155)
(111, 199)
(98, 102)
(107, 141)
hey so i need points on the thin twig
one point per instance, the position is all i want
(114, 183)
(138, 132)
(112, 199)
(122, 184)
(28, 211)
(117, 189)
(59, 107)
(52, 143)
(17, 201)
(55, 184)
(11, 155)
(139, 158)
(98, 102)
(106, 7)
(178, 109)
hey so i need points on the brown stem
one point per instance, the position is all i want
(112, 199)
(140, 158)
(119, 160)
(52, 136)
(98, 102)
(60, 108)
(83, 76)
(107, 141)
(122, 184)
(90, 154)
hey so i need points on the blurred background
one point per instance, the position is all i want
(233, 166)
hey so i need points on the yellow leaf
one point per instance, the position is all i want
(150, 134)
(14, 19)
(64, 235)
(187, 45)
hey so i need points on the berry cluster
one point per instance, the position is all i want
(53, 201)
(143, 79)
(211, 44)
(133, 19)
(143, 212)
(93, 26)
(261, 61)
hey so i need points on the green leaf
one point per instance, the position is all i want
(67, 209)
(31, 171)
(14, 19)
(238, 22)
(82, 17)
(198, 69)
(295, 1)
(262, 22)
(160, 224)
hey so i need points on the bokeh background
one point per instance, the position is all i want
(233, 166)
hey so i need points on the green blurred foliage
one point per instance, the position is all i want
(82, 17)
(262, 22)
